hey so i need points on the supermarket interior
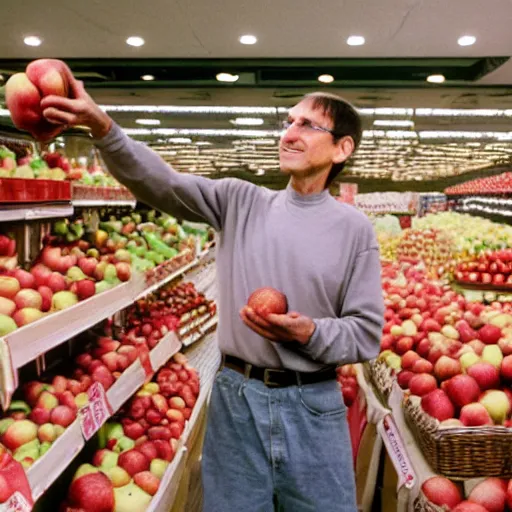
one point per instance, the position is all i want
(110, 303)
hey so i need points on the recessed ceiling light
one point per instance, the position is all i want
(148, 122)
(393, 122)
(227, 77)
(248, 39)
(135, 41)
(247, 121)
(355, 40)
(147, 77)
(326, 79)
(466, 40)
(180, 140)
(203, 143)
(32, 41)
(436, 79)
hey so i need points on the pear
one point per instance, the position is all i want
(131, 498)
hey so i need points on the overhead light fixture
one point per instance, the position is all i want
(147, 77)
(393, 122)
(355, 41)
(203, 143)
(148, 122)
(248, 39)
(135, 41)
(466, 40)
(326, 79)
(436, 79)
(32, 41)
(247, 121)
(227, 77)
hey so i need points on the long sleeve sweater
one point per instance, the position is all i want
(322, 254)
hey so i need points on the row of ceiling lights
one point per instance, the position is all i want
(249, 39)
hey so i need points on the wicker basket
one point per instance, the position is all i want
(382, 377)
(461, 453)
(422, 504)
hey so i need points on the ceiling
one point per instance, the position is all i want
(189, 42)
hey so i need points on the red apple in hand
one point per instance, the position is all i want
(265, 301)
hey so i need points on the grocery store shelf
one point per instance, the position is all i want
(15, 212)
(98, 203)
(48, 468)
(168, 279)
(33, 340)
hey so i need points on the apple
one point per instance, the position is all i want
(63, 415)
(46, 298)
(131, 498)
(147, 481)
(123, 271)
(437, 404)
(93, 493)
(149, 449)
(442, 492)
(490, 494)
(40, 415)
(19, 433)
(46, 433)
(27, 316)
(265, 301)
(462, 390)
(9, 287)
(446, 367)
(134, 430)
(118, 476)
(506, 368)
(133, 462)
(85, 288)
(7, 325)
(475, 415)
(497, 405)
(177, 403)
(102, 375)
(63, 299)
(492, 354)
(105, 459)
(56, 282)
(477, 346)
(47, 400)
(468, 359)
(489, 334)
(422, 366)
(87, 265)
(7, 306)
(486, 375)
(5, 488)
(158, 467)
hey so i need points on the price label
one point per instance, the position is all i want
(96, 412)
(397, 453)
(17, 503)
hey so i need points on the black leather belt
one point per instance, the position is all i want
(273, 378)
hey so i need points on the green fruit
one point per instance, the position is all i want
(5, 424)
(114, 431)
(124, 443)
(102, 286)
(93, 253)
(19, 405)
(7, 325)
(110, 273)
(60, 227)
(141, 251)
(158, 467)
(64, 299)
(131, 498)
(123, 255)
(75, 274)
(30, 450)
(85, 469)
(44, 448)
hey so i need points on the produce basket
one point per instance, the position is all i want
(422, 504)
(92, 193)
(382, 377)
(461, 453)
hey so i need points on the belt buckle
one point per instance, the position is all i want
(267, 377)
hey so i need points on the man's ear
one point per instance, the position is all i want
(345, 147)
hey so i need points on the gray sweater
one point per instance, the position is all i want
(319, 252)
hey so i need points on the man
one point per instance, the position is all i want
(277, 433)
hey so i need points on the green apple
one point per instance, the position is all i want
(44, 448)
(5, 424)
(62, 300)
(158, 467)
(131, 498)
(75, 274)
(7, 325)
(124, 443)
(492, 354)
(118, 476)
(114, 431)
(85, 469)
(28, 450)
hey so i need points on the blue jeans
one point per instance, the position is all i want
(287, 445)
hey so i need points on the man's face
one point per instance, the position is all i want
(304, 150)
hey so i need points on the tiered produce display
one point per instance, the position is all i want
(451, 355)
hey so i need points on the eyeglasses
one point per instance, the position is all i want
(307, 125)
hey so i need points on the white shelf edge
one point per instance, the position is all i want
(93, 203)
(34, 212)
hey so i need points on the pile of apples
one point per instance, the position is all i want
(499, 184)
(455, 356)
(168, 309)
(346, 376)
(135, 451)
(492, 267)
(489, 495)
(435, 248)
(60, 278)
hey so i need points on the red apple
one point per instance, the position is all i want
(442, 492)
(422, 366)
(446, 367)
(133, 461)
(475, 415)
(486, 375)
(265, 301)
(147, 482)
(422, 383)
(438, 405)
(462, 390)
(491, 494)
(92, 492)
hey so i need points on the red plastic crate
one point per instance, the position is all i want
(20, 190)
